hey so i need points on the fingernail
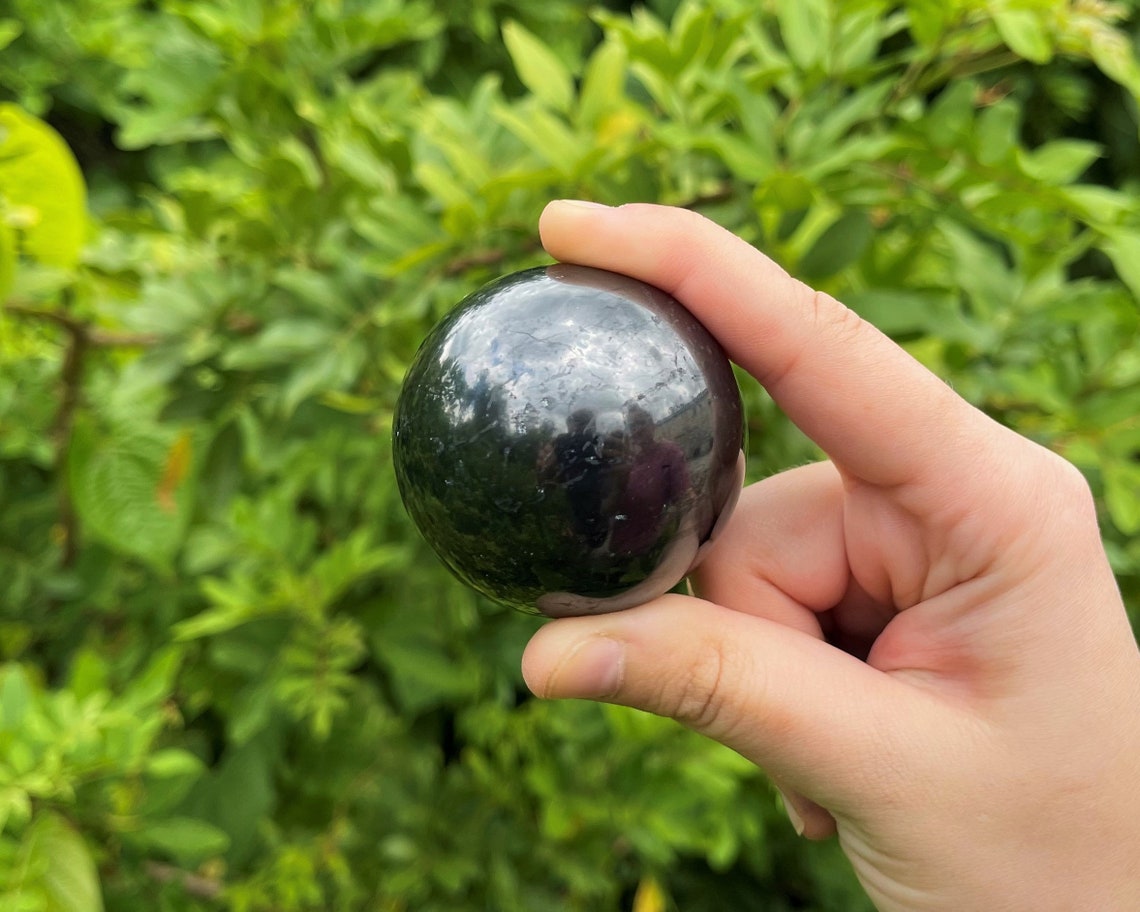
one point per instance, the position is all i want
(583, 204)
(793, 815)
(592, 670)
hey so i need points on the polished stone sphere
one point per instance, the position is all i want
(569, 440)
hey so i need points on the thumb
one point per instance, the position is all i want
(817, 719)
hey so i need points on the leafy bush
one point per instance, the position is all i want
(233, 677)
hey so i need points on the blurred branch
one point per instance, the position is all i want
(71, 379)
(95, 338)
(81, 338)
(194, 884)
(721, 194)
(496, 256)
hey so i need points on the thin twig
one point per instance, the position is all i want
(194, 884)
(81, 338)
(71, 382)
(96, 338)
(496, 256)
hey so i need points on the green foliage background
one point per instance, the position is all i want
(231, 675)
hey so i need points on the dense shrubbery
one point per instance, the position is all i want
(231, 676)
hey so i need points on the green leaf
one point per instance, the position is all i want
(88, 674)
(996, 132)
(1111, 50)
(745, 159)
(859, 33)
(154, 683)
(173, 763)
(818, 133)
(42, 194)
(356, 158)
(252, 711)
(545, 135)
(1122, 494)
(840, 245)
(7, 259)
(980, 270)
(930, 19)
(70, 881)
(424, 668)
(539, 67)
(1100, 205)
(331, 369)
(1123, 248)
(297, 154)
(239, 793)
(212, 621)
(15, 697)
(867, 148)
(15, 807)
(173, 93)
(951, 117)
(281, 342)
(398, 225)
(10, 30)
(908, 312)
(805, 26)
(132, 489)
(169, 775)
(187, 840)
(442, 184)
(1061, 161)
(1023, 33)
(603, 86)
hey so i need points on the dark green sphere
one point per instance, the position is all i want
(569, 440)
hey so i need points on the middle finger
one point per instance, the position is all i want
(782, 554)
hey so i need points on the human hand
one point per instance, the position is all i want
(920, 640)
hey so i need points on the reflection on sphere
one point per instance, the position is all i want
(567, 439)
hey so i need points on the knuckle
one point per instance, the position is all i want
(835, 318)
(1045, 492)
(1065, 484)
(698, 700)
(702, 701)
(1075, 493)
(824, 318)
(1071, 481)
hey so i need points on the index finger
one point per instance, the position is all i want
(878, 413)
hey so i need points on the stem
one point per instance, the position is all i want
(96, 338)
(81, 338)
(194, 884)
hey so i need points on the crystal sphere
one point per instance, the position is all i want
(569, 440)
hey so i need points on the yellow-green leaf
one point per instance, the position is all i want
(10, 30)
(70, 882)
(603, 86)
(42, 193)
(1122, 495)
(929, 20)
(545, 134)
(650, 897)
(1111, 50)
(1024, 34)
(132, 489)
(806, 28)
(185, 839)
(1123, 248)
(7, 260)
(539, 67)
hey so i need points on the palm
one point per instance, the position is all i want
(867, 569)
(957, 567)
